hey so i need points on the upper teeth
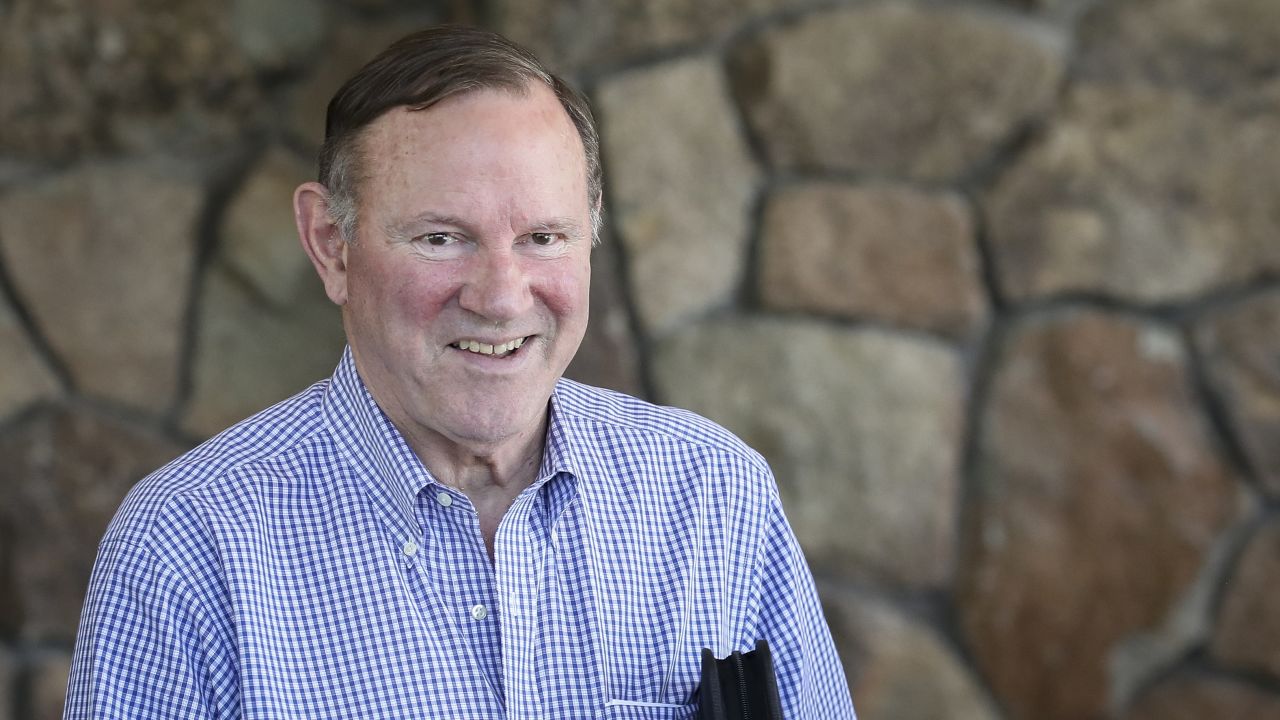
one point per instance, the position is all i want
(487, 349)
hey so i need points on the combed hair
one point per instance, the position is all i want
(421, 70)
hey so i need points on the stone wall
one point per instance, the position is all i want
(995, 285)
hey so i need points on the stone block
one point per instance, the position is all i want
(1098, 496)
(861, 428)
(278, 35)
(102, 258)
(1248, 632)
(898, 667)
(25, 379)
(47, 685)
(899, 89)
(1140, 194)
(1187, 695)
(608, 356)
(887, 253)
(1240, 343)
(682, 186)
(63, 473)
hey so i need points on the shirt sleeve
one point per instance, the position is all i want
(146, 647)
(811, 679)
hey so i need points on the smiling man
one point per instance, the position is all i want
(446, 527)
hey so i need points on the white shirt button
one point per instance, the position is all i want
(410, 548)
(479, 612)
(445, 499)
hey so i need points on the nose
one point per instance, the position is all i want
(497, 287)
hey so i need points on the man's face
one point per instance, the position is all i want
(467, 287)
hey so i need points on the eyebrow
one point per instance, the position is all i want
(399, 229)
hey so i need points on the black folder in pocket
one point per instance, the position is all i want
(739, 687)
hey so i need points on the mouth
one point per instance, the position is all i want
(501, 350)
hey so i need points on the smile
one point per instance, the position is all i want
(480, 348)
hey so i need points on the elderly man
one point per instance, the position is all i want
(446, 527)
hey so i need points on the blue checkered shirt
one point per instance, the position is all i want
(305, 564)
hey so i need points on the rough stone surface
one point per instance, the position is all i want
(280, 34)
(583, 34)
(63, 474)
(898, 668)
(1142, 194)
(682, 184)
(1190, 696)
(258, 239)
(1210, 45)
(82, 77)
(25, 378)
(1248, 632)
(8, 669)
(1096, 487)
(895, 88)
(862, 430)
(109, 287)
(251, 353)
(1241, 344)
(889, 253)
(353, 44)
(608, 356)
(47, 691)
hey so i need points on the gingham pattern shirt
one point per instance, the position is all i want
(305, 564)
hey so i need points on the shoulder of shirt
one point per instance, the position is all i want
(584, 403)
(288, 427)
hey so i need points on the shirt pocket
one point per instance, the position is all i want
(649, 711)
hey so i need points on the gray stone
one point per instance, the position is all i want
(862, 429)
(278, 35)
(63, 474)
(608, 356)
(898, 667)
(1240, 344)
(888, 253)
(47, 691)
(1142, 194)
(584, 34)
(1248, 632)
(1210, 45)
(251, 353)
(258, 238)
(80, 78)
(1096, 487)
(904, 89)
(8, 671)
(25, 378)
(1191, 696)
(102, 259)
(682, 183)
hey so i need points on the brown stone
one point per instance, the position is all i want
(47, 692)
(1206, 44)
(63, 474)
(1240, 344)
(862, 429)
(258, 238)
(1142, 194)
(102, 259)
(898, 667)
(128, 74)
(887, 253)
(1248, 632)
(583, 35)
(1191, 696)
(353, 43)
(928, 92)
(1098, 496)
(608, 356)
(682, 183)
(251, 353)
(25, 378)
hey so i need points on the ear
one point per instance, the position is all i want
(321, 239)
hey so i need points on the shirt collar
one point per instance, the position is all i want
(392, 471)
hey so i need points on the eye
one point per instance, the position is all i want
(437, 239)
(543, 238)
